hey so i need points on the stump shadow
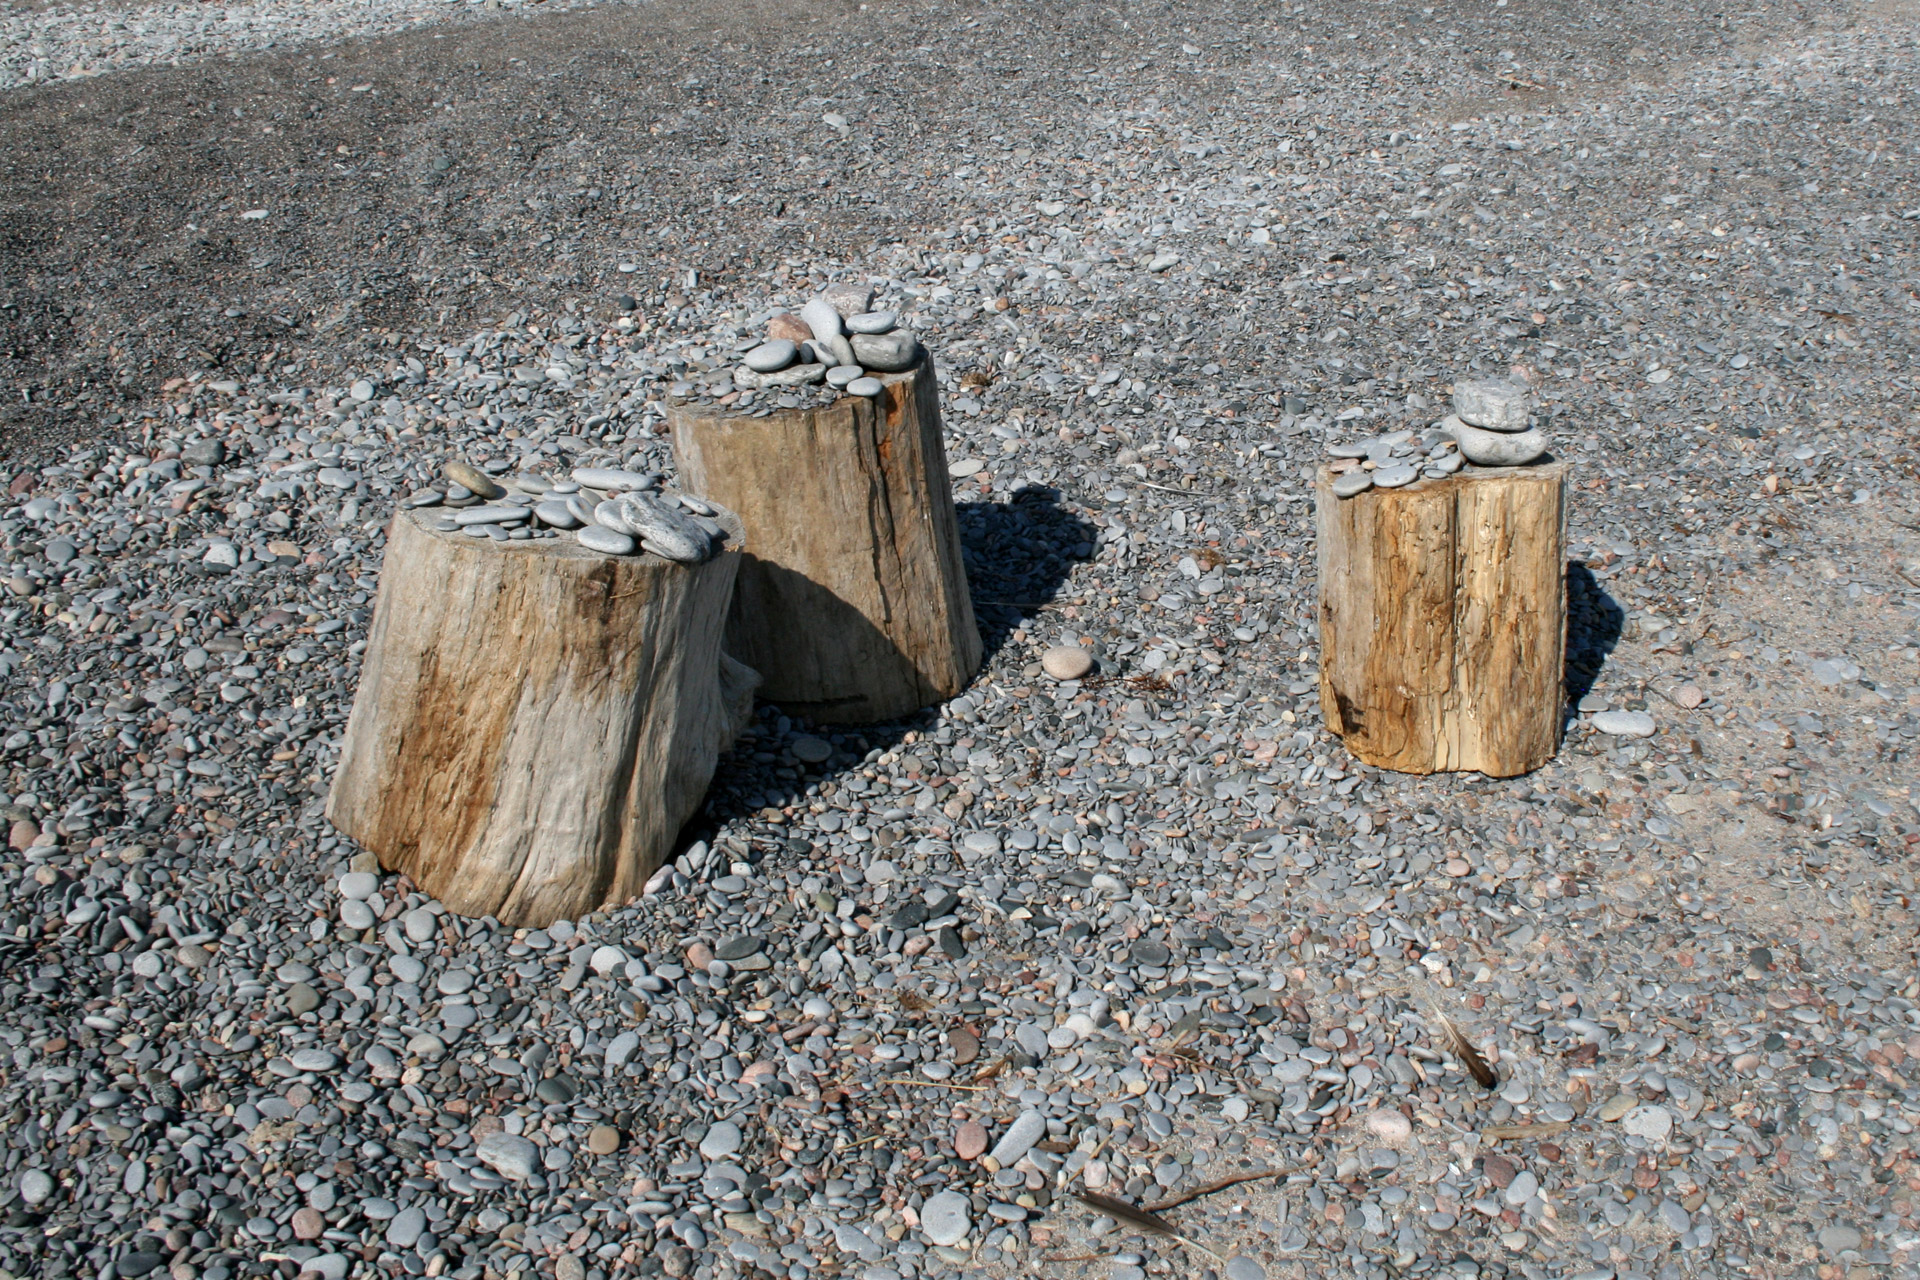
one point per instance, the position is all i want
(1018, 554)
(1595, 621)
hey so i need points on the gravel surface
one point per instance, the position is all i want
(1129, 927)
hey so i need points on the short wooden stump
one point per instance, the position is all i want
(1443, 619)
(535, 721)
(852, 601)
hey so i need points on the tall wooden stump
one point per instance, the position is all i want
(852, 602)
(535, 721)
(1443, 617)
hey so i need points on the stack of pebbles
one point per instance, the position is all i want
(1489, 427)
(835, 342)
(616, 512)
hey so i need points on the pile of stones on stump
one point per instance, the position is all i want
(609, 510)
(835, 344)
(1490, 426)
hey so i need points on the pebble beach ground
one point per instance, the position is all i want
(1131, 928)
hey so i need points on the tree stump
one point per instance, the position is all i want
(536, 721)
(852, 601)
(1443, 609)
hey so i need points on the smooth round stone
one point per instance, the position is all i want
(1447, 463)
(1390, 1126)
(148, 964)
(722, 1140)
(1241, 1267)
(302, 998)
(606, 959)
(355, 914)
(36, 1186)
(822, 320)
(603, 1140)
(555, 1089)
(1154, 955)
(1353, 482)
(1624, 724)
(1496, 448)
(595, 538)
(1491, 403)
(490, 515)
(314, 1059)
(1395, 475)
(472, 479)
(556, 514)
(359, 885)
(421, 925)
(771, 356)
(1066, 662)
(945, 1219)
(509, 1156)
(406, 1227)
(970, 1140)
(459, 1017)
(406, 968)
(808, 750)
(427, 1045)
(845, 375)
(872, 322)
(887, 352)
(613, 479)
(866, 387)
(1348, 449)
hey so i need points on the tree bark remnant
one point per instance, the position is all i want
(852, 602)
(536, 721)
(1443, 613)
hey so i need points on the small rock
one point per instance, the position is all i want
(1839, 1237)
(1391, 1127)
(887, 352)
(787, 327)
(1688, 696)
(722, 1140)
(359, 885)
(1150, 953)
(36, 1186)
(1352, 484)
(964, 1045)
(508, 1155)
(871, 322)
(1653, 1123)
(770, 357)
(302, 998)
(944, 1218)
(603, 1139)
(866, 387)
(847, 299)
(472, 478)
(969, 1140)
(1491, 403)
(1027, 1128)
(812, 750)
(1495, 448)
(1066, 662)
(307, 1223)
(596, 538)
(1624, 724)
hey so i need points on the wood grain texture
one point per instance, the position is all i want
(852, 602)
(1443, 617)
(535, 722)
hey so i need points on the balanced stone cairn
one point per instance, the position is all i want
(1489, 427)
(609, 510)
(835, 342)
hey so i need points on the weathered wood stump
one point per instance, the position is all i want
(852, 601)
(536, 721)
(1443, 617)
